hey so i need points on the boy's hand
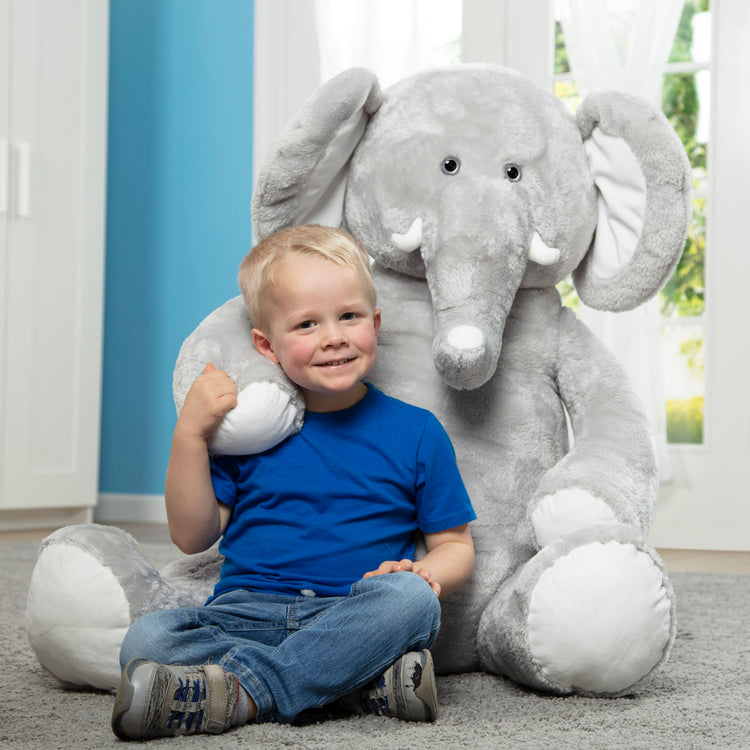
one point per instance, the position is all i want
(391, 566)
(209, 399)
(448, 563)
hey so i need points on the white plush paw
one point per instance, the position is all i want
(566, 511)
(600, 618)
(76, 617)
(263, 417)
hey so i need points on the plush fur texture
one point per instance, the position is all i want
(474, 330)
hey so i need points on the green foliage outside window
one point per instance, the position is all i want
(684, 294)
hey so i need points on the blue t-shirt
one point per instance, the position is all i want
(350, 490)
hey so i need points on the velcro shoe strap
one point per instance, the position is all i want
(220, 702)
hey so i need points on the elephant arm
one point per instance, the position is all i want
(609, 475)
(269, 406)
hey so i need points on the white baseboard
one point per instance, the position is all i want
(120, 508)
(43, 518)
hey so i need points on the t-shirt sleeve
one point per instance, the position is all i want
(223, 478)
(442, 500)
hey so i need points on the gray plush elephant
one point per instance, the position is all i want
(476, 193)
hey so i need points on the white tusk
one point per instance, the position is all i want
(411, 240)
(542, 254)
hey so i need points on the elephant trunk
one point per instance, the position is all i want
(473, 281)
(465, 356)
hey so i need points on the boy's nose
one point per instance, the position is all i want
(334, 337)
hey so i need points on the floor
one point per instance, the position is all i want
(676, 560)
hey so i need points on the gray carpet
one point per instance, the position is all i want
(701, 700)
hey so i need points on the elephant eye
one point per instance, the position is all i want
(512, 172)
(451, 165)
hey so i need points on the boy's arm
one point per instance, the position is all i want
(449, 560)
(196, 518)
(448, 563)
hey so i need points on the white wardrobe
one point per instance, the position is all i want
(53, 128)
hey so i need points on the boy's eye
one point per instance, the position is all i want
(306, 324)
(349, 316)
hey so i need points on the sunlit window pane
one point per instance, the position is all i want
(686, 102)
(567, 90)
(562, 65)
(440, 26)
(684, 357)
(693, 39)
(565, 87)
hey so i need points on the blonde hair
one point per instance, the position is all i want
(257, 270)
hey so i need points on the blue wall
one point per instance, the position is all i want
(178, 209)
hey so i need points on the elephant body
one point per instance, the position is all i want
(476, 193)
(508, 435)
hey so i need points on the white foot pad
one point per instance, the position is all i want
(600, 618)
(76, 617)
(566, 511)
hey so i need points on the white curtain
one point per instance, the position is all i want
(624, 44)
(394, 38)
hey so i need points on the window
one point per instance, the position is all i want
(685, 101)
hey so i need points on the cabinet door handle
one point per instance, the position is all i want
(4, 178)
(23, 196)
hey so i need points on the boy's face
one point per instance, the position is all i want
(322, 331)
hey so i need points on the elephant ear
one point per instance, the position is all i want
(644, 192)
(304, 176)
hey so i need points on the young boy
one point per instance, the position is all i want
(319, 597)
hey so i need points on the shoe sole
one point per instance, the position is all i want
(147, 726)
(123, 702)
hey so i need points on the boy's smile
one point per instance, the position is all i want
(322, 330)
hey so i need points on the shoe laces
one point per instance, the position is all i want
(187, 709)
(375, 702)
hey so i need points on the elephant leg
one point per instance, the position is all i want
(89, 584)
(592, 613)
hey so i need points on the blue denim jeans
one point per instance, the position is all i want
(294, 653)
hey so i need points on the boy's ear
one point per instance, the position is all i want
(376, 320)
(263, 344)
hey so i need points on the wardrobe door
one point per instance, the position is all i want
(53, 257)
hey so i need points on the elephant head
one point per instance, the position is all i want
(480, 182)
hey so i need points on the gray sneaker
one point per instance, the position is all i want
(406, 690)
(156, 700)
